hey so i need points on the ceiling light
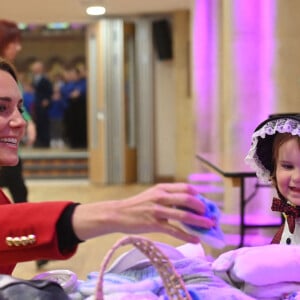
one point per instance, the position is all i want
(95, 10)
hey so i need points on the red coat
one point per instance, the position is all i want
(27, 232)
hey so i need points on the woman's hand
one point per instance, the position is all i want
(157, 209)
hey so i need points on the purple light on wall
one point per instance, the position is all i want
(252, 53)
(267, 59)
(200, 36)
(254, 89)
(246, 66)
(253, 47)
(202, 70)
(249, 40)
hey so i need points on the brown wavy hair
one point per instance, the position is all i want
(9, 68)
(9, 32)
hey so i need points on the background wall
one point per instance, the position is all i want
(52, 47)
(239, 56)
(288, 56)
(174, 119)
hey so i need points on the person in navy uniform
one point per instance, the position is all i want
(43, 91)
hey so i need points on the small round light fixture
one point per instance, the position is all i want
(95, 10)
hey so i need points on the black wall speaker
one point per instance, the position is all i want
(162, 38)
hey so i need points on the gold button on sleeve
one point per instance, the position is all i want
(16, 241)
(31, 238)
(24, 240)
(9, 241)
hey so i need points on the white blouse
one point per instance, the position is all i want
(288, 238)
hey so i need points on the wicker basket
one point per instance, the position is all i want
(173, 283)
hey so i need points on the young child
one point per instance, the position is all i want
(275, 156)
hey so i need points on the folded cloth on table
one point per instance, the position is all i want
(135, 257)
(123, 280)
(197, 274)
(133, 272)
(132, 276)
(263, 271)
(261, 265)
(67, 279)
(271, 291)
(292, 296)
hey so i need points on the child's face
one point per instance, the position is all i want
(288, 171)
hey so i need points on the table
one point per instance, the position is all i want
(238, 175)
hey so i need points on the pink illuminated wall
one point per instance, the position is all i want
(205, 72)
(253, 53)
(234, 50)
(252, 60)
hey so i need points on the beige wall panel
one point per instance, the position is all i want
(185, 129)
(96, 141)
(288, 56)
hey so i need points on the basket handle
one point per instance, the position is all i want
(172, 281)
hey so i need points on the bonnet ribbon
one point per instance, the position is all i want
(291, 212)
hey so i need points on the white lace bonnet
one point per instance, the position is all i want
(260, 157)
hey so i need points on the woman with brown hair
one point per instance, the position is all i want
(12, 177)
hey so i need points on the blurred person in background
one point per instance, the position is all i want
(28, 92)
(74, 93)
(56, 118)
(43, 91)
